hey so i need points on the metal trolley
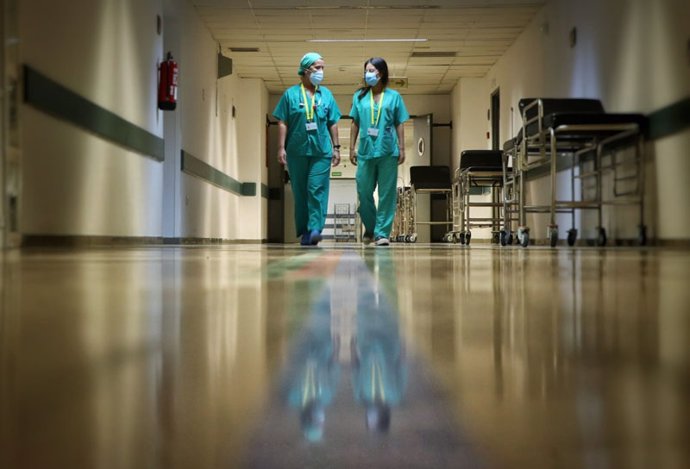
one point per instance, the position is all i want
(432, 180)
(478, 169)
(580, 129)
(343, 223)
(404, 222)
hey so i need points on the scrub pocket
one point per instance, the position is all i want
(388, 141)
(324, 134)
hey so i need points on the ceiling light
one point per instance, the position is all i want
(366, 40)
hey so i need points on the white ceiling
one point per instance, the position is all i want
(472, 33)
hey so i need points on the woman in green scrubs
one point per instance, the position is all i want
(378, 114)
(308, 143)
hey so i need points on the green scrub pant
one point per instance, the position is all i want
(383, 172)
(310, 181)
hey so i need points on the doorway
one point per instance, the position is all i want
(496, 119)
(10, 130)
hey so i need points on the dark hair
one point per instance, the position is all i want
(382, 67)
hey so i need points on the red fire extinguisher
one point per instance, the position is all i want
(167, 84)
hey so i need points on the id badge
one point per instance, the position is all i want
(311, 126)
(373, 132)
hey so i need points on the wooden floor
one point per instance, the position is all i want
(343, 356)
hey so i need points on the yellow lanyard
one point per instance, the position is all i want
(309, 387)
(378, 115)
(310, 115)
(377, 387)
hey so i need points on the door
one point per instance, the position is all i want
(495, 119)
(277, 185)
(10, 130)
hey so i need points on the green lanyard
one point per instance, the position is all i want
(310, 116)
(378, 115)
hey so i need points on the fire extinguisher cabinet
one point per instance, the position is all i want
(167, 84)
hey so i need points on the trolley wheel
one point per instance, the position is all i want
(407, 238)
(503, 236)
(523, 237)
(456, 238)
(401, 238)
(495, 238)
(468, 237)
(553, 237)
(601, 236)
(572, 236)
(413, 238)
(461, 236)
(642, 235)
(510, 239)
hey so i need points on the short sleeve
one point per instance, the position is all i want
(401, 114)
(333, 112)
(354, 112)
(282, 109)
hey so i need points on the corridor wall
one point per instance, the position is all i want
(76, 183)
(630, 54)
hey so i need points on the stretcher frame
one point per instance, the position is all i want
(543, 147)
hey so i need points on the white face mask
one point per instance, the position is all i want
(371, 79)
(316, 77)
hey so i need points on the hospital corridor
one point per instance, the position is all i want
(345, 234)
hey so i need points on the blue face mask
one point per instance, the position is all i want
(316, 77)
(371, 79)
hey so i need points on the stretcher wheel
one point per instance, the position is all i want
(642, 235)
(510, 239)
(495, 238)
(572, 236)
(553, 237)
(462, 238)
(456, 238)
(413, 238)
(468, 237)
(503, 237)
(601, 237)
(407, 238)
(401, 238)
(523, 237)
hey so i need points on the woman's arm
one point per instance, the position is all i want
(354, 132)
(401, 143)
(336, 144)
(282, 133)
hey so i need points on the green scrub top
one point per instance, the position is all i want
(291, 110)
(393, 114)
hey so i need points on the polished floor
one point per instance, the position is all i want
(342, 356)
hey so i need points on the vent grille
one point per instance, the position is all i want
(433, 54)
(244, 49)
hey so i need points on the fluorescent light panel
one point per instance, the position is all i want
(366, 40)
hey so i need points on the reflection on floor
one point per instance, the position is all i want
(342, 356)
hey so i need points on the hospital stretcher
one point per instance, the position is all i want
(478, 169)
(579, 129)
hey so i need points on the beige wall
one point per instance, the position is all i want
(75, 183)
(631, 55)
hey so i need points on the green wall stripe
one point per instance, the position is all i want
(52, 98)
(264, 191)
(670, 119)
(194, 166)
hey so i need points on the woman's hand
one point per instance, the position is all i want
(282, 156)
(336, 157)
(401, 158)
(353, 157)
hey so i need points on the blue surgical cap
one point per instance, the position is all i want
(307, 61)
